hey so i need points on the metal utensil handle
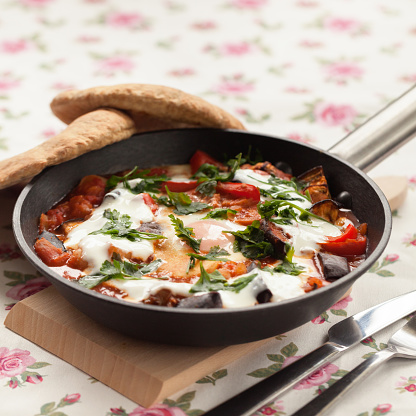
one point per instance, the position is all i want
(249, 401)
(381, 135)
(337, 391)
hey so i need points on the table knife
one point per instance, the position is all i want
(341, 336)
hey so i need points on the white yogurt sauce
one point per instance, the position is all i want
(304, 237)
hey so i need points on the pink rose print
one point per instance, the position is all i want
(332, 115)
(303, 138)
(238, 48)
(342, 304)
(318, 377)
(34, 379)
(129, 20)
(7, 84)
(71, 398)
(339, 24)
(13, 46)
(204, 25)
(182, 72)
(13, 383)
(410, 387)
(409, 240)
(158, 410)
(234, 86)
(318, 320)
(248, 4)
(7, 252)
(35, 3)
(342, 71)
(407, 385)
(109, 66)
(411, 78)
(14, 362)
(383, 408)
(267, 411)
(391, 258)
(290, 360)
(32, 286)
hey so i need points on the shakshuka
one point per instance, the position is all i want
(207, 234)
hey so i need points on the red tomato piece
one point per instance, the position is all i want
(349, 247)
(149, 201)
(52, 256)
(349, 233)
(180, 186)
(239, 190)
(199, 158)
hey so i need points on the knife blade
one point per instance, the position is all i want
(341, 336)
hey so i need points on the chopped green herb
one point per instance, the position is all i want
(251, 242)
(182, 203)
(185, 233)
(119, 270)
(147, 184)
(287, 266)
(214, 254)
(207, 187)
(220, 213)
(211, 172)
(211, 282)
(118, 226)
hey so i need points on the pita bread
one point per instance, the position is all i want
(168, 106)
(95, 121)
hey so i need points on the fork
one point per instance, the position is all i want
(401, 344)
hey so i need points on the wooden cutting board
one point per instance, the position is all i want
(144, 372)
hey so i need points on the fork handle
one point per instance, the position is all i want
(337, 391)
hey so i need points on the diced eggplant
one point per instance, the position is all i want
(344, 198)
(326, 209)
(207, 301)
(333, 267)
(150, 227)
(284, 167)
(164, 297)
(53, 239)
(276, 236)
(272, 170)
(315, 184)
(262, 292)
(115, 193)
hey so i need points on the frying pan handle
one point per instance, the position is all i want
(381, 135)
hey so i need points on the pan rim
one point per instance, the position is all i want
(55, 277)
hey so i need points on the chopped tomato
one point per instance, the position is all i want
(199, 158)
(157, 172)
(247, 215)
(92, 186)
(79, 206)
(349, 247)
(149, 201)
(52, 256)
(349, 233)
(239, 190)
(174, 186)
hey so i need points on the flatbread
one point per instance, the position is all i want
(94, 120)
(143, 101)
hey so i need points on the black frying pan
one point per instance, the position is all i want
(206, 327)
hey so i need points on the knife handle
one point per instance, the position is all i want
(337, 391)
(257, 396)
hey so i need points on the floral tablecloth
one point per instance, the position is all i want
(310, 70)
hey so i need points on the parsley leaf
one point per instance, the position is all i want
(185, 233)
(118, 226)
(207, 187)
(287, 266)
(119, 270)
(251, 242)
(212, 282)
(148, 184)
(183, 203)
(214, 254)
(220, 213)
(209, 282)
(211, 172)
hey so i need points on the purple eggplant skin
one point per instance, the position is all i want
(208, 301)
(53, 239)
(275, 236)
(333, 267)
(326, 209)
